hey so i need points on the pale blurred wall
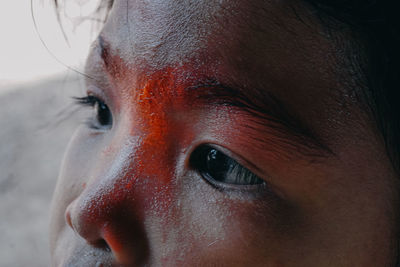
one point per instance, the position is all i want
(36, 122)
(29, 53)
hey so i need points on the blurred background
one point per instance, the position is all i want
(40, 63)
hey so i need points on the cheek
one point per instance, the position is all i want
(73, 178)
(208, 227)
(81, 157)
(183, 218)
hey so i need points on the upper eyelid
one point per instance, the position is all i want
(104, 95)
(96, 92)
(97, 81)
(268, 111)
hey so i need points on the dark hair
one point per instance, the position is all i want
(99, 15)
(376, 27)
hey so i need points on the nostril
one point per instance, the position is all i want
(108, 226)
(102, 244)
(81, 227)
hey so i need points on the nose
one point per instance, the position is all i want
(107, 217)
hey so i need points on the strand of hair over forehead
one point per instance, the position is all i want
(103, 7)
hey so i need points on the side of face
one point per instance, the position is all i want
(232, 142)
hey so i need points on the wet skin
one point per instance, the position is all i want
(249, 79)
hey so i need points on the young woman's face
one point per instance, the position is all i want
(223, 133)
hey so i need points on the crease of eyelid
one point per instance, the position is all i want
(287, 129)
(281, 140)
(285, 135)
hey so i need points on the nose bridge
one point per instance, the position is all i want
(134, 176)
(105, 190)
(155, 102)
(109, 212)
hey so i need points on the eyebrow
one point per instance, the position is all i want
(268, 111)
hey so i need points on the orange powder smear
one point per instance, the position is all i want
(156, 102)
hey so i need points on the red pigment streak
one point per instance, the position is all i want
(157, 101)
(155, 98)
(159, 104)
(155, 105)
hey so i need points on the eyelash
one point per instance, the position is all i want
(220, 170)
(102, 118)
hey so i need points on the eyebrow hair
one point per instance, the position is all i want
(268, 111)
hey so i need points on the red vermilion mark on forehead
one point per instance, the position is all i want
(155, 101)
(158, 101)
(156, 104)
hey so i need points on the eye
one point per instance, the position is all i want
(218, 168)
(102, 117)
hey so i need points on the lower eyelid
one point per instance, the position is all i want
(246, 191)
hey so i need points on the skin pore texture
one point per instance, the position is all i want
(262, 86)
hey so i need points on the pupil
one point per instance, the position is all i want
(103, 114)
(218, 165)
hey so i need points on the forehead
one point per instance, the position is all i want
(165, 33)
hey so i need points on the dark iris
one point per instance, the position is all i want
(215, 166)
(102, 115)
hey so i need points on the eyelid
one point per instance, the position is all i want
(101, 88)
(269, 113)
(98, 93)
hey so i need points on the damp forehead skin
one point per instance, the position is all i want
(132, 187)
